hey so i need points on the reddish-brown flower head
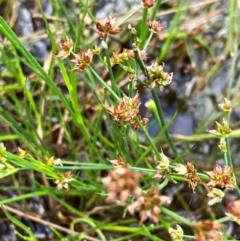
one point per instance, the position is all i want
(192, 175)
(106, 27)
(148, 3)
(81, 60)
(127, 110)
(155, 26)
(119, 162)
(149, 205)
(220, 177)
(66, 47)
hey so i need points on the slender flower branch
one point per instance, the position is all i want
(153, 91)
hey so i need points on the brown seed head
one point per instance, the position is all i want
(192, 175)
(148, 3)
(66, 47)
(155, 26)
(220, 177)
(106, 27)
(81, 60)
(126, 111)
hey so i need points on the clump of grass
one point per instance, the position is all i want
(126, 197)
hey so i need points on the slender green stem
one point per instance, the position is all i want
(129, 16)
(84, 4)
(228, 156)
(90, 223)
(148, 40)
(161, 122)
(139, 59)
(156, 9)
(149, 139)
(156, 100)
(113, 81)
(235, 183)
(176, 216)
(103, 83)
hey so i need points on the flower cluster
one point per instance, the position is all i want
(158, 78)
(163, 169)
(52, 162)
(66, 47)
(216, 196)
(119, 58)
(81, 60)
(220, 177)
(176, 234)
(121, 182)
(148, 205)
(222, 130)
(190, 173)
(148, 3)
(22, 153)
(63, 180)
(207, 230)
(226, 105)
(119, 162)
(233, 210)
(127, 111)
(155, 26)
(106, 27)
(4, 165)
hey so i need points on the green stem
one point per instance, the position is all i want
(149, 139)
(161, 122)
(103, 83)
(149, 38)
(139, 60)
(113, 81)
(156, 9)
(127, 17)
(85, 6)
(156, 100)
